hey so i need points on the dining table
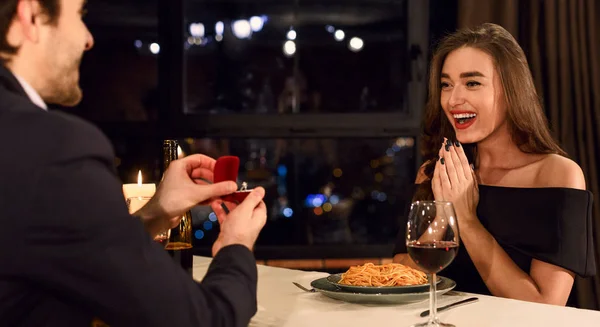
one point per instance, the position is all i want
(282, 304)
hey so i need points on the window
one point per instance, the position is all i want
(319, 191)
(328, 124)
(283, 57)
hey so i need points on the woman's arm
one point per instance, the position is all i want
(545, 283)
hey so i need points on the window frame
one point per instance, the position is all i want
(173, 123)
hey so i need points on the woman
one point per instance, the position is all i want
(523, 212)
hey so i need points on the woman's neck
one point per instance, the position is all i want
(498, 151)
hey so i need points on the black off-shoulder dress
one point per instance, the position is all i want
(553, 225)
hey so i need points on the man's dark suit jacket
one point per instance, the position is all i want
(70, 251)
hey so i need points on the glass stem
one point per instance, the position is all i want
(433, 319)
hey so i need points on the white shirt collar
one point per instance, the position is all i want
(31, 93)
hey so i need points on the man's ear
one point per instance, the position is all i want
(29, 19)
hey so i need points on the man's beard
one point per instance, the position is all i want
(63, 88)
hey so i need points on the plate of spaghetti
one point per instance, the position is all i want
(386, 278)
(323, 286)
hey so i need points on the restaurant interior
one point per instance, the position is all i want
(322, 101)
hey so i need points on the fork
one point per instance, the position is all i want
(312, 290)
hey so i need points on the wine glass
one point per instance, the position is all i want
(432, 242)
(136, 203)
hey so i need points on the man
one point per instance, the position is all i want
(69, 250)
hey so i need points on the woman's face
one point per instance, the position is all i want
(472, 95)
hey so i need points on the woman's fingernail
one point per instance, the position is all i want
(448, 144)
(472, 167)
(457, 144)
(442, 161)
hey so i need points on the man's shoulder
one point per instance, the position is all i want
(68, 126)
(54, 134)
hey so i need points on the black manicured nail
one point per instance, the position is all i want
(448, 142)
(457, 144)
(448, 147)
(442, 161)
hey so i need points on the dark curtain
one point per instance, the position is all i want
(560, 38)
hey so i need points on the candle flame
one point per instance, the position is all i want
(140, 178)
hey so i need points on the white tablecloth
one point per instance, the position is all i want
(282, 304)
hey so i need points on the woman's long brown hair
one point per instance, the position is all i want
(526, 120)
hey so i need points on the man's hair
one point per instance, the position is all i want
(8, 11)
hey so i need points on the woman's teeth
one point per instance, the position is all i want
(463, 118)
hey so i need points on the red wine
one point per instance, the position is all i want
(432, 257)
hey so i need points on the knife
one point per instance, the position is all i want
(451, 305)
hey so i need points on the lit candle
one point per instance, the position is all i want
(139, 189)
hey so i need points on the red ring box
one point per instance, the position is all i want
(226, 169)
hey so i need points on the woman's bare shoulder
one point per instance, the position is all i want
(558, 171)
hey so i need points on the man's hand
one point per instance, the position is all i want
(186, 183)
(242, 224)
